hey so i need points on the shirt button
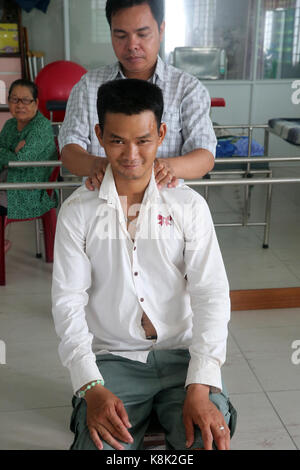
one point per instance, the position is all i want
(134, 248)
(141, 299)
(136, 274)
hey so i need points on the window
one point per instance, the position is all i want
(224, 24)
(100, 29)
(279, 39)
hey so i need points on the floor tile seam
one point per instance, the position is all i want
(265, 393)
(282, 421)
(247, 362)
(263, 354)
(267, 327)
(289, 269)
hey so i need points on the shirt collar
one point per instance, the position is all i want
(108, 190)
(160, 69)
(158, 73)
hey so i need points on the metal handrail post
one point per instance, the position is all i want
(268, 214)
(247, 189)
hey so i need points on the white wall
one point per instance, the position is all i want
(90, 43)
(46, 31)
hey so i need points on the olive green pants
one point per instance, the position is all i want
(158, 386)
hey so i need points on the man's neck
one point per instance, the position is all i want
(133, 190)
(143, 75)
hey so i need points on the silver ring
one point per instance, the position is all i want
(221, 428)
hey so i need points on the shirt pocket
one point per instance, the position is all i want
(171, 117)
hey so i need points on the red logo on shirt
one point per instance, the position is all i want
(164, 220)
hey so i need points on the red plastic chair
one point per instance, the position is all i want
(49, 227)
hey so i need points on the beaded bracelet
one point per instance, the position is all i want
(82, 393)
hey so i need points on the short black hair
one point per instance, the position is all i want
(157, 8)
(129, 96)
(26, 83)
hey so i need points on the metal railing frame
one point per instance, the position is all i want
(246, 182)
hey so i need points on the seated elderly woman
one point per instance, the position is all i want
(28, 136)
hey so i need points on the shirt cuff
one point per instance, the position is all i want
(84, 372)
(203, 371)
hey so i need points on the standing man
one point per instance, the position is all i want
(137, 29)
(140, 293)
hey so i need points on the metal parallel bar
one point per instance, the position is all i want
(34, 164)
(241, 126)
(9, 186)
(242, 182)
(256, 160)
(240, 224)
(238, 172)
(217, 161)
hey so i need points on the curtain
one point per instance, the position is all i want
(28, 5)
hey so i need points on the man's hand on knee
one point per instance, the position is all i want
(107, 418)
(199, 411)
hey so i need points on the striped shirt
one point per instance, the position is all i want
(186, 111)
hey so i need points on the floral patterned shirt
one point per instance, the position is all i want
(40, 146)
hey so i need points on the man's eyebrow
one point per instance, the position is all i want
(115, 136)
(146, 136)
(139, 30)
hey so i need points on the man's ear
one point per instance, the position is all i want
(99, 135)
(162, 132)
(162, 31)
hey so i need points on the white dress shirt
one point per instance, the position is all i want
(186, 111)
(173, 271)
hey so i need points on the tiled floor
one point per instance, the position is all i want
(264, 384)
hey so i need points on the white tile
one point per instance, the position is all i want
(265, 318)
(258, 426)
(39, 388)
(236, 373)
(287, 406)
(238, 376)
(275, 374)
(268, 343)
(39, 429)
(25, 318)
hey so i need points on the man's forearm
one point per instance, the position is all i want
(77, 160)
(192, 165)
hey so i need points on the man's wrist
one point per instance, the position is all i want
(199, 388)
(90, 386)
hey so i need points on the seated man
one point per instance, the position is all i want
(140, 293)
